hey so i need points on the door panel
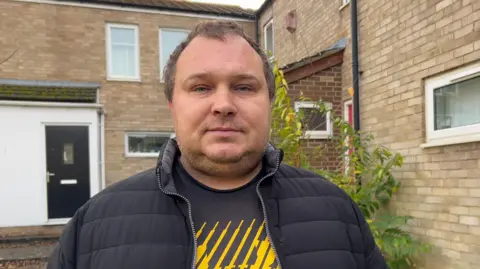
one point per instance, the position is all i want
(68, 169)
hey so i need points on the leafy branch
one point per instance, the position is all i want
(358, 157)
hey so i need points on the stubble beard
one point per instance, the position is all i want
(232, 166)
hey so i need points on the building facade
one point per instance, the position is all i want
(419, 81)
(81, 97)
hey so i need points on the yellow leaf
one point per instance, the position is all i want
(350, 91)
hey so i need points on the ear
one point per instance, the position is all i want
(170, 106)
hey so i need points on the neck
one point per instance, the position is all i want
(222, 182)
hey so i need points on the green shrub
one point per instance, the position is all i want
(367, 175)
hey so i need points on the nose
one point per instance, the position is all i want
(223, 102)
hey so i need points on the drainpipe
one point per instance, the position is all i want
(356, 92)
(101, 148)
(258, 13)
(356, 97)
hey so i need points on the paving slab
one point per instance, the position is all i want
(26, 253)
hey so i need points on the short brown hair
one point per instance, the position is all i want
(215, 29)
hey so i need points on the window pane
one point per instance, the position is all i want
(169, 41)
(123, 56)
(146, 143)
(269, 39)
(123, 36)
(68, 153)
(457, 105)
(123, 60)
(314, 120)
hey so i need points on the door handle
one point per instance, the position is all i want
(49, 175)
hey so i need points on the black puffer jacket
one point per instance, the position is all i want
(142, 223)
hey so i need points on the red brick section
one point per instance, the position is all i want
(323, 85)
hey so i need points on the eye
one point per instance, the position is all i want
(200, 89)
(244, 88)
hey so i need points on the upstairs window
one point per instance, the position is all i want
(269, 39)
(169, 40)
(123, 60)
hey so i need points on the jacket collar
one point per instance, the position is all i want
(170, 150)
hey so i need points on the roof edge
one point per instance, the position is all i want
(314, 65)
(263, 7)
(170, 9)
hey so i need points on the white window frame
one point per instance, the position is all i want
(344, 4)
(110, 76)
(456, 135)
(317, 134)
(144, 154)
(269, 23)
(160, 47)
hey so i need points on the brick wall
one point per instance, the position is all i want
(320, 24)
(402, 43)
(323, 85)
(68, 43)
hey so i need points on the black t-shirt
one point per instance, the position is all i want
(229, 225)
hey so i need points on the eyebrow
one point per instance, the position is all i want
(209, 75)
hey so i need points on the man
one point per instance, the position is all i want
(219, 196)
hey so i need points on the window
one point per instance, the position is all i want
(169, 40)
(344, 3)
(145, 144)
(269, 39)
(123, 61)
(318, 124)
(453, 107)
(68, 153)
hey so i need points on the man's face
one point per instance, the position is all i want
(221, 105)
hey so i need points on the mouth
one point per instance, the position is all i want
(223, 130)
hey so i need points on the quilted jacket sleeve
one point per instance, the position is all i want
(64, 253)
(373, 256)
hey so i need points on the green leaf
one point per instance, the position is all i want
(373, 164)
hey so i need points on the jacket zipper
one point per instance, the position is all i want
(190, 218)
(265, 211)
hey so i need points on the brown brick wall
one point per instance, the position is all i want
(324, 85)
(320, 24)
(402, 42)
(68, 43)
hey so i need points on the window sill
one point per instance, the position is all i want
(141, 155)
(123, 79)
(452, 141)
(316, 136)
(344, 6)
